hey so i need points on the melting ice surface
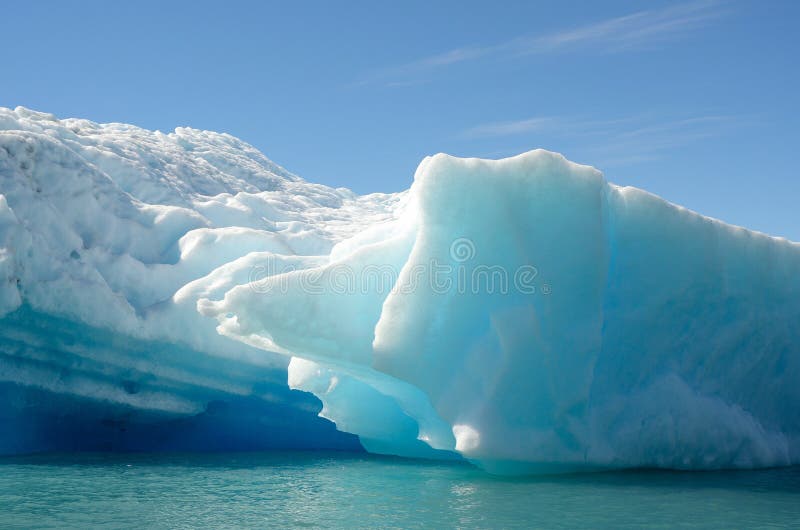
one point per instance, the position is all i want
(164, 291)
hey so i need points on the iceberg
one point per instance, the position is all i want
(524, 314)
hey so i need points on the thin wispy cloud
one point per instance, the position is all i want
(612, 142)
(639, 30)
(507, 128)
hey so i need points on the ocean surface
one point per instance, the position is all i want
(346, 490)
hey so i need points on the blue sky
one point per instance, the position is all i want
(695, 101)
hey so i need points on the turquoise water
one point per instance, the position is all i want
(338, 490)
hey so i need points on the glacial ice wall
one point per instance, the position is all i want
(523, 313)
(544, 320)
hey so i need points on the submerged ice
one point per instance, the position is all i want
(522, 313)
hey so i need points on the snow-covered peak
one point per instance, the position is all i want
(138, 214)
(155, 167)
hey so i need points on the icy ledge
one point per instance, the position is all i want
(523, 313)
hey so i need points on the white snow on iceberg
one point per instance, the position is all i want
(523, 313)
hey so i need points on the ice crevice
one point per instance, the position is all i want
(524, 313)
